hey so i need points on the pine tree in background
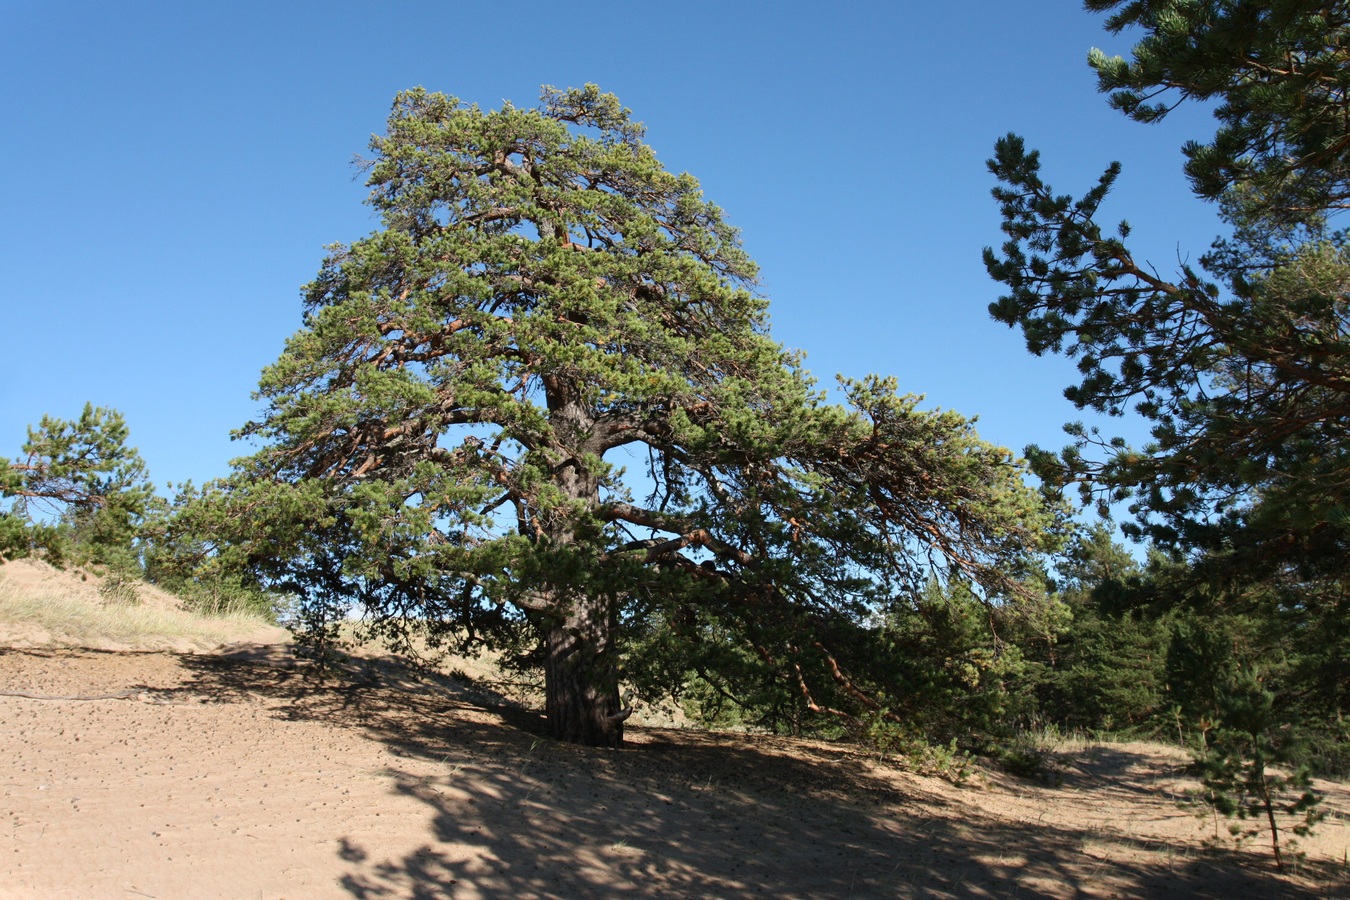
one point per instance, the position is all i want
(1233, 764)
(446, 439)
(77, 493)
(1103, 667)
(1242, 366)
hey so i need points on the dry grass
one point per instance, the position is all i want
(38, 605)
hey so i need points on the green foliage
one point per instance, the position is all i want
(1102, 668)
(954, 662)
(444, 439)
(1147, 651)
(77, 492)
(1245, 394)
(1024, 758)
(16, 536)
(927, 675)
(181, 556)
(1204, 654)
(1246, 738)
(1276, 72)
(78, 495)
(1210, 655)
(1245, 391)
(948, 761)
(1241, 366)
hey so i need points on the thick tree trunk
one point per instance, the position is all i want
(581, 684)
(581, 681)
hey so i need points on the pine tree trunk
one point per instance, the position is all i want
(1259, 767)
(581, 681)
(581, 685)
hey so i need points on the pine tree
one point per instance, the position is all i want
(1242, 366)
(1277, 71)
(444, 440)
(1233, 766)
(77, 491)
(1103, 669)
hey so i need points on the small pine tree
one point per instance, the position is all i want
(76, 493)
(1233, 762)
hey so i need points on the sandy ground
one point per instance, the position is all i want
(239, 773)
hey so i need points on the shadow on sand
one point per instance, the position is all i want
(686, 813)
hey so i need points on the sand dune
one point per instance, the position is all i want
(239, 773)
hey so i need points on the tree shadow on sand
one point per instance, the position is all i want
(687, 813)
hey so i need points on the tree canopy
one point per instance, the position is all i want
(449, 438)
(1241, 365)
(76, 488)
(1277, 72)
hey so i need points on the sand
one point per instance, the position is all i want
(236, 771)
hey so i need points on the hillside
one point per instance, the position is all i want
(216, 765)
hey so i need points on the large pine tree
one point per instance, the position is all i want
(444, 440)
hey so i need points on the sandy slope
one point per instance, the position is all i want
(239, 774)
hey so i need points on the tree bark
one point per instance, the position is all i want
(581, 682)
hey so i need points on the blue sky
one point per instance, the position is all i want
(171, 172)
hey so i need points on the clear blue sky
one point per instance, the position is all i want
(170, 172)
